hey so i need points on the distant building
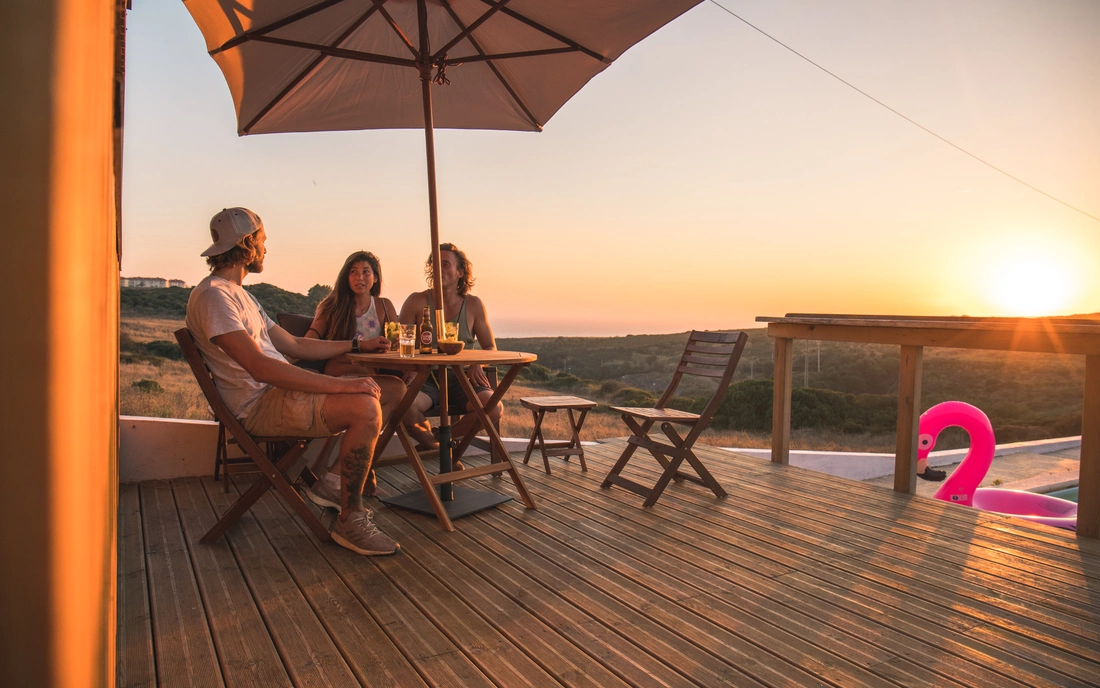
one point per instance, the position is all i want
(150, 282)
(144, 282)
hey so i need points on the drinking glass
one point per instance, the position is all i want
(450, 331)
(407, 341)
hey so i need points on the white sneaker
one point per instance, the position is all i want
(360, 535)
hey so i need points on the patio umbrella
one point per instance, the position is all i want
(332, 65)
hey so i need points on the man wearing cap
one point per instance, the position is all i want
(245, 351)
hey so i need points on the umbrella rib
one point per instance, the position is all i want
(396, 29)
(551, 33)
(504, 82)
(469, 29)
(277, 24)
(330, 51)
(309, 69)
(507, 56)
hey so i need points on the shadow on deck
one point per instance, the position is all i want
(795, 578)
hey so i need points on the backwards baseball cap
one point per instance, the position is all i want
(229, 227)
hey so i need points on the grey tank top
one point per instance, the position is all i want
(463, 322)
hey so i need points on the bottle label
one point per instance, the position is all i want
(426, 337)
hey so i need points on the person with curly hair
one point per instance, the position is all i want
(468, 312)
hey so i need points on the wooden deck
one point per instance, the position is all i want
(794, 579)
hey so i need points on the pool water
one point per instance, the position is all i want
(1069, 493)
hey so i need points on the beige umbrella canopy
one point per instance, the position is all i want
(329, 65)
(333, 65)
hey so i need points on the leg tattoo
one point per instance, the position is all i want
(354, 473)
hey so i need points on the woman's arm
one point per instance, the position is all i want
(318, 326)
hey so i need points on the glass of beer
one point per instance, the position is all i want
(406, 346)
(450, 331)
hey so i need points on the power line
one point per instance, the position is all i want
(907, 119)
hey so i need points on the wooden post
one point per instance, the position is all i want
(781, 405)
(1088, 493)
(905, 463)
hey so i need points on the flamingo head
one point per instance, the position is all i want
(948, 414)
(925, 443)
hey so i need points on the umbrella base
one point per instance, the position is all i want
(465, 502)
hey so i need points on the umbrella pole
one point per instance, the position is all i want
(446, 491)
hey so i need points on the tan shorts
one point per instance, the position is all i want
(283, 413)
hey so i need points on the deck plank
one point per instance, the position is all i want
(743, 597)
(247, 653)
(563, 574)
(374, 654)
(424, 650)
(633, 521)
(185, 654)
(473, 580)
(1009, 601)
(796, 578)
(574, 625)
(1022, 630)
(136, 667)
(864, 509)
(307, 651)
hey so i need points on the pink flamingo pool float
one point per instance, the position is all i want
(961, 487)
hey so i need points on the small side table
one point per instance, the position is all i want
(539, 407)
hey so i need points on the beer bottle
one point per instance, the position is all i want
(427, 333)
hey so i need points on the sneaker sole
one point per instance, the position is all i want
(321, 501)
(338, 539)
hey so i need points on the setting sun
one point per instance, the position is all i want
(1031, 283)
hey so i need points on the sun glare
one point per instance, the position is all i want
(1032, 284)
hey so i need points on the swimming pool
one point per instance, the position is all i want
(1069, 493)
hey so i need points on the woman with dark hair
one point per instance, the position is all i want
(468, 312)
(355, 309)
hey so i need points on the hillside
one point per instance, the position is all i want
(171, 303)
(849, 390)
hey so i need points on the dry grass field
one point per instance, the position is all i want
(176, 395)
(157, 387)
(603, 423)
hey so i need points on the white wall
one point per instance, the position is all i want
(162, 448)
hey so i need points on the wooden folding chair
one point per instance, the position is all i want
(707, 354)
(224, 464)
(280, 473)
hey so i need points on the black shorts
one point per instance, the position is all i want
(456, 396)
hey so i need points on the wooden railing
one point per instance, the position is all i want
(1043, 335)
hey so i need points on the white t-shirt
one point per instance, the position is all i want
(216, 307)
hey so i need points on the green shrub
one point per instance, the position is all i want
(148, 386)
(746, 406)
(638, 398)
(127, 343)
(536, 373)
(611, 388)
(164, 349)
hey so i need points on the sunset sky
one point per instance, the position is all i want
(707, 177)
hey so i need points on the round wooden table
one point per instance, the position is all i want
(451, 502)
